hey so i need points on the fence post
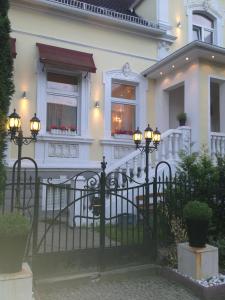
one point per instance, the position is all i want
(36, 215)
(155, 219)
(102, 201)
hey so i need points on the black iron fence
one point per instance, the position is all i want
(101, 211)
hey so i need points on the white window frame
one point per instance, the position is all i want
(141, 95)
(82, 113)
(74, 95)
(211, 11)
(125, 101)
(203, 28)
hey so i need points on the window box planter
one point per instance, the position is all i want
(63, 132)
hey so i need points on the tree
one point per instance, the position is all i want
(6, 83)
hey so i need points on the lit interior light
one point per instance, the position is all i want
(173, 66)
(187, 58)
(213, 56)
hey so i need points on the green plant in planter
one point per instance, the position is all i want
(182, 118)
(14, 230)
(197, 216)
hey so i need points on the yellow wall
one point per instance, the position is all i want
(147, 9)
(177, 13)
(111, 50)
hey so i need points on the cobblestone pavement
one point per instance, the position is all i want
(118, 287)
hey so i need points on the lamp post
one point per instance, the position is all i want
(152, 140)
(16, 136)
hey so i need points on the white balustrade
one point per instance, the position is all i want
(172, 141)
(217, 145)
(105, 12)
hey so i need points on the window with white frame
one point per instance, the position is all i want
(63, 94)
(123, 108)
(203, 27)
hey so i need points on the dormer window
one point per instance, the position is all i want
(203, 28)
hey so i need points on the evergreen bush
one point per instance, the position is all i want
(6, 84)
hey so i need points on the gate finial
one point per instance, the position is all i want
(103, 164)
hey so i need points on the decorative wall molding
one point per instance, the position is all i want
(122, 151)
(126, 69)
(210, 6)
(62, 150)
(163, 49)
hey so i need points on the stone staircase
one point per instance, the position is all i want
(172, 142)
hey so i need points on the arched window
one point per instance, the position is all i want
(203, 27)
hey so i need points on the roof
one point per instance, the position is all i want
(185, 55)
(122, 6)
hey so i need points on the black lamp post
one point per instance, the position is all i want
(152, 140)
(16, 136)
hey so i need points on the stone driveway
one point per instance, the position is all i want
(130, 285)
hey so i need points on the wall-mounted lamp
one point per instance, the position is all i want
(24, 95)
(179, 24)
(97, 105)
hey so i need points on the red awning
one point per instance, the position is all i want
(13, 47)
(66, 58)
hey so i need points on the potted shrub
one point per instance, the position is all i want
(14, 230)
(182, 118)
(197, 216)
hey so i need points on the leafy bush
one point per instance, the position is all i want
(6, 85)
(13, 224)
(182, 117)
(196, 210)
(198, 178)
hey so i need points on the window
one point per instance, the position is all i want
(63, 94)
(203, 28)
(123, 108)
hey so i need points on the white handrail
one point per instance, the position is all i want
(171, 140)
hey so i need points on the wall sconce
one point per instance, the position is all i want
(179, 24)
(24, 95)
(97, 105)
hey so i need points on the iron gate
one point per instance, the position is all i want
(89, 211)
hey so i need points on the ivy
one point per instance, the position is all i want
(6, 84)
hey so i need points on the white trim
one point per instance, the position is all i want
(63, 150)
(209, 10)
(112, 141)
(89, 46)
(54, 166)
(83, 104)
(162, 7)
(114, 148)
(131, 77)
(222, 79)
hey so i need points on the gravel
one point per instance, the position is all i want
(127, 286)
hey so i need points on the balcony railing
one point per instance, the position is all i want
(79, 5)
